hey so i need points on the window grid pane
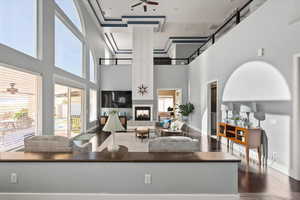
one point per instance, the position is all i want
(19, 20)
(68, 49)
(69, 7)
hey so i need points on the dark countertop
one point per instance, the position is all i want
(118, 157)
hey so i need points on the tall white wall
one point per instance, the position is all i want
(165, 77)
(295, 12)
(280, 39)
(45, 65)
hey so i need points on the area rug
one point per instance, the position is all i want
(129, 140)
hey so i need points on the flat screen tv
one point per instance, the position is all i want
(116, 99)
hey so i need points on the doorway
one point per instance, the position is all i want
(68, 113)
(212, 108)
(168, 101)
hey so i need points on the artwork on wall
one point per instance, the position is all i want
(142, 90)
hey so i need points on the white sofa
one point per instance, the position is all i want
(54, 144)
(174, 144)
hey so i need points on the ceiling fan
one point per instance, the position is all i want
(145, 3)
(12, 90)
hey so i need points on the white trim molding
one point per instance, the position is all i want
(95, 196)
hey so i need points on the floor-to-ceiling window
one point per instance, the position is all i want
(25, 27)
(19, 105)
(68, 113)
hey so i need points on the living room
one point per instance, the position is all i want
(109, 99)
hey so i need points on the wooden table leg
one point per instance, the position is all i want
(247, 155)
(259, 155)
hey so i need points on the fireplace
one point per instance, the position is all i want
(142, 113)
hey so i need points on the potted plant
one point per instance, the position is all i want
(21, 114)
(185, 110)
(236, 119)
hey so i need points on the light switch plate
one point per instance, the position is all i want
(148, 179)
(13, 178)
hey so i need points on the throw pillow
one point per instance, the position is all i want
(179, 124)
(167, 124)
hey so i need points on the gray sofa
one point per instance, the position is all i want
(174, 144)
(54, 144)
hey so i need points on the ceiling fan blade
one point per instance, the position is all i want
(145, 8)
(135, 5)
(152, 3)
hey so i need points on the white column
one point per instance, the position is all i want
(142, 63)
(295, 137)
(46, 50)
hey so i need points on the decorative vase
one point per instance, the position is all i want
(185, 118)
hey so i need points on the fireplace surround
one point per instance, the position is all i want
(142, 112)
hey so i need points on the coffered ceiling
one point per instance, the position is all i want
(179, 20)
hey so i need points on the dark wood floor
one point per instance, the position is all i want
(255, 183)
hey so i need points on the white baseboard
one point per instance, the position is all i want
(89, 196)
(274, 165)
(279, 167)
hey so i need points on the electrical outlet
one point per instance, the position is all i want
(148, 179)
(14, 178)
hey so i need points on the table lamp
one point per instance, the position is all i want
(260, 116)
(112, 125)
(225, 108)
(248, 109)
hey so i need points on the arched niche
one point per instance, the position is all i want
(256, 81)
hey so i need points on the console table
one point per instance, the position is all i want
(250, 138)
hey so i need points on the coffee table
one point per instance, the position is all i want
(142, 133)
